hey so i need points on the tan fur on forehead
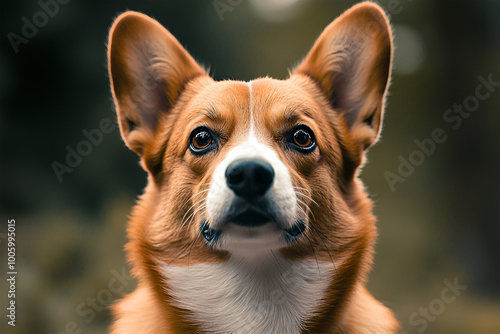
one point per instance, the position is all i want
(202, 99)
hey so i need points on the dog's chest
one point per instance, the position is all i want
(231, 298)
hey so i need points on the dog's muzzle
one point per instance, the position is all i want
(250, 180)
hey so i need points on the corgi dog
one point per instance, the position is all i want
(254, 219)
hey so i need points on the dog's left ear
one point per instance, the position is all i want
(351, 63)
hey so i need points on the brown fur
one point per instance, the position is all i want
(339, 90)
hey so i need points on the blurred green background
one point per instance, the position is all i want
(442, 223)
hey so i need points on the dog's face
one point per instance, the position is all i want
(247, 167)
(256, 156)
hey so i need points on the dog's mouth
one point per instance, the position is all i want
(252, 225)
(250, 218)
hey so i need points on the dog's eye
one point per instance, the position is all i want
(200, 140)
(302, 139)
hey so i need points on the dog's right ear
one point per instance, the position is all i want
(351, 63)
(148, 69)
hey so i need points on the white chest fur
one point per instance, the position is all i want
(274, 296)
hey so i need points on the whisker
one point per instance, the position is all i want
(194, 215)
(187, 202)
(191, 248)
(192, 197)
(302, 210)
(183, 222)
(192, 206)
(325, 236)
(309, 198)
(301, 188)
(326, 248)
(314, 252)
(191, 244)
(182, 252)
(307, 207)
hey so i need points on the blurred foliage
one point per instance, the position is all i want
(441, 223)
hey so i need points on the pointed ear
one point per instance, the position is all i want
(351, 63)
(148, 70)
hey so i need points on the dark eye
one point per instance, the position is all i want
(302, 139)
(200, 141)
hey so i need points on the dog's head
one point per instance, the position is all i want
(245, 167)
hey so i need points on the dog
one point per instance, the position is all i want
(254, 219)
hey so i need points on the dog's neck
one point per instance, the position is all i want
(272, 295)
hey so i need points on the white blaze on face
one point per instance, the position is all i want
(280, 197)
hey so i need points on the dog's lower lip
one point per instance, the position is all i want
(250, 219)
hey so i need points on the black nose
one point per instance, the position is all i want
(249, 178)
